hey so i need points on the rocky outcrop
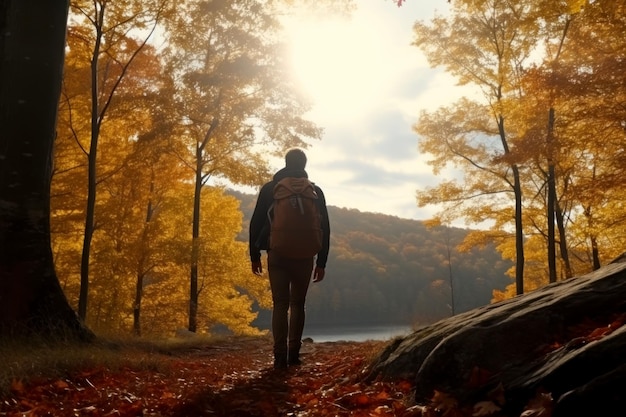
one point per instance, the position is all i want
(565, 340)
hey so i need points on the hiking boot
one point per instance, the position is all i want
(294, 359)
(280, 362)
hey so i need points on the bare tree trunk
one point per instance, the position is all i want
(551, 199)
(32, 45)
(567, 265)
(450, 275)
(193, 287)
(595, 253)
(519, 232)
(143, 260)
(593, 239)
(92, 175)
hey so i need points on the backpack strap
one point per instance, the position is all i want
(270, 213)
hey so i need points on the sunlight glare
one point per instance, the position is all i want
(339, 64)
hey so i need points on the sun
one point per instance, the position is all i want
(339, 63)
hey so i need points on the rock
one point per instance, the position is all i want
(524, 345)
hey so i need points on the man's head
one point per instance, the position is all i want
(295, 159)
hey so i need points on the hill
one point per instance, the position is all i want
(387, 270)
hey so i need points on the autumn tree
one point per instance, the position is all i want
(483, 43)
(227, 291)
(536, 121)
(136, 120)
(136, 171)
(32, 42)
(594, 122)
(106, 32)
(567, 115)
(235, 101)
(558, 98)
(154, 174)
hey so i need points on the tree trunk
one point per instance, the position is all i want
(32, 43)
(142, 267)
(593, 239)
(92, 175)
(595, 253)
(193, 287)
(551, 199)
(519, 232)
(567, 265)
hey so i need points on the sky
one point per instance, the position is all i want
(369, 85)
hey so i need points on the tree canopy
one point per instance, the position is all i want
(538, 152)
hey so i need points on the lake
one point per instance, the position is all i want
(355, 333)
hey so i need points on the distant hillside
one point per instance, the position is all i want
(387, 270)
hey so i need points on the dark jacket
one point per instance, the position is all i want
(260, 225)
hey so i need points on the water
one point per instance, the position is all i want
(355, 333)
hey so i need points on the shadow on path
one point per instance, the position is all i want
(263, 393)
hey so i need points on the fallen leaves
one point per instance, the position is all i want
(237, 380)
(540, 406)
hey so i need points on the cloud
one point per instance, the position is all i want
(372, 167)
(368, 158)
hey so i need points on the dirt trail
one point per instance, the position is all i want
(230, 378)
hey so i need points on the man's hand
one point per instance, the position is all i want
(318, 274)
(257, 268)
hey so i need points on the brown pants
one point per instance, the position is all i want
(289, 280)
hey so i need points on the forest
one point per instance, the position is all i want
(150, 118)
(387, 270)
(148, 246)
(539, 148)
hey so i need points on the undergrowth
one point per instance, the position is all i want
(26, 360)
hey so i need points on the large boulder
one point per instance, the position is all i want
(563, 341)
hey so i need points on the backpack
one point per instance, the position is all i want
(295, 219)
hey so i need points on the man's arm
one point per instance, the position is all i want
(322, 256)
(258, 224)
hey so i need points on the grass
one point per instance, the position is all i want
(27, 360)
(24, 361)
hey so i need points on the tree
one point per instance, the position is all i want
(32, 42)
(235, 99)
(567, 105)
(135, 138)
(112, 53)
(594, 62)
(555, 20)
(485, 44)
(564, 125)
(136, 168)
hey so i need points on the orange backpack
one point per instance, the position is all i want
(295, 219)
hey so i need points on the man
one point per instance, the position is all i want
(289, 277)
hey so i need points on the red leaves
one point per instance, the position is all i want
(237, 380)
(587, 331)
(17, 386)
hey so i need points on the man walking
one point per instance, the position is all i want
(290, 269)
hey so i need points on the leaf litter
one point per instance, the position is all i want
(236, 379)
